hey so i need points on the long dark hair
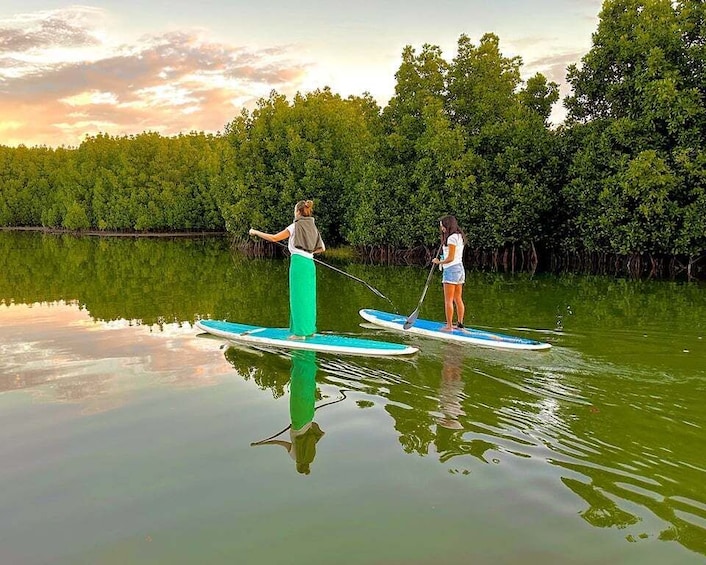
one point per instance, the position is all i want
(451, 225)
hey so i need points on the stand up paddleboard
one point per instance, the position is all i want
(432, 329)
(280, 337)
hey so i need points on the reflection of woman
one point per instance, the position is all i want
(304, 433)
(451, 391)
(304, 241)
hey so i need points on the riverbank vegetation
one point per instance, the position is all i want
(620, 186)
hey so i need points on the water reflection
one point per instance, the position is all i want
(304, 432)
(610, 421)
(451, 389)
(57, 352)
(602, 512)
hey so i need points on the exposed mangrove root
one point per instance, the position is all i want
(516, 259)
(636, 266)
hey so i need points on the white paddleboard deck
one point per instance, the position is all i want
(281, 338)
(429, 328)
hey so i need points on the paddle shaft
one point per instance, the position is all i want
(413, 316)
(372, 288)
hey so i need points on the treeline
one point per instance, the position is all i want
(138, 183)
(622, 180)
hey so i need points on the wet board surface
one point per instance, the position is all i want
(466, 335)
(281, 337)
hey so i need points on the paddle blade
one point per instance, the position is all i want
(411, 319)
(413, 316)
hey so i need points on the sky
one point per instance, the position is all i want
(68, 71)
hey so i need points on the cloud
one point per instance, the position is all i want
(61, 82)
(52, 32)
(554, 66)
(71, 27)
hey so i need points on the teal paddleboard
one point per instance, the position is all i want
(281, 338)
(429, 328)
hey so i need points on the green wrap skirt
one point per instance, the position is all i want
(302, 295)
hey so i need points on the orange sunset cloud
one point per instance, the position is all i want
(63, 77)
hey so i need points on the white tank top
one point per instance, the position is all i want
(290, 244)
(457, 240)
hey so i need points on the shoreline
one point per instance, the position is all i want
(60, 231)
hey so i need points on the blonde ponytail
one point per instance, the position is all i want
(305, 207)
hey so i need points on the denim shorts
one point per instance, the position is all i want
(454, 274)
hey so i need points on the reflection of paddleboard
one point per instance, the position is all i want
(280, 337)
(473, 336)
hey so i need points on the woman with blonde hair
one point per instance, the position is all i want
(304, 241)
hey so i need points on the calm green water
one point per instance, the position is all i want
(125, 437)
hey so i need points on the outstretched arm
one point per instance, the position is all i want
(284, 234)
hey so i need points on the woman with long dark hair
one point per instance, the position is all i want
(454, 274)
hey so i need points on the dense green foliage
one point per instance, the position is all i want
(318, 147)
(137, 183)
(625, 174)
(635, 133)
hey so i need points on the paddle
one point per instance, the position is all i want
(273, 436)
(372, 288)
(413, 316)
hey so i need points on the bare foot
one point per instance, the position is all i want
(297, 337)
(447, 329)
